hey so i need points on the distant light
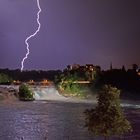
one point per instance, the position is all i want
(138, 73)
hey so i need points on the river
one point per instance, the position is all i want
(55, 120)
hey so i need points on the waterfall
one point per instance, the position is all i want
(47, 93)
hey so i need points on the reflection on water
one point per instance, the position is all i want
(55, 118)
(52, 120)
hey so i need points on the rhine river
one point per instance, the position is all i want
(55, 120)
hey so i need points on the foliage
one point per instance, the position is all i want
(36, 75)
(69, 85)
(126, 80)
(25, 93)
(4, 79)
(107, 119)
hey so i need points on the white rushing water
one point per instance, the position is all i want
(47, 93)
(51, 93)
(130, 105)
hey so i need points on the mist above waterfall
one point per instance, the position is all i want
(47, 93)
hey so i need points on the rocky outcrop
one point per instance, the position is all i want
(8, 93)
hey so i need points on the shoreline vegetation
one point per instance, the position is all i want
(79, 81)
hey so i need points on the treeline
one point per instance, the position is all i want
(127, 81)
(36, 75)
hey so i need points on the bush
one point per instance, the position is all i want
(68, 86)
(107, 119)
(5, 79)
(25, 93)
(71, 89)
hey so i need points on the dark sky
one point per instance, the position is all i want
(73, 31)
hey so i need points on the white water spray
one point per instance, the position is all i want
(26, 41)
(47, 93)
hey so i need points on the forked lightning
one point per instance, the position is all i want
(29, 37)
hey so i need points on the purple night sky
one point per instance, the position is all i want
(73, 31)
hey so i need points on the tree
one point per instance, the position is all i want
(123, 68)
(107, 119)
(25, 93)
(68, 83)
(5, 79)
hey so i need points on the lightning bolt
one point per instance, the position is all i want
(32, 35)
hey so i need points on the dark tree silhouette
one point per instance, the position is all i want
(107, 119)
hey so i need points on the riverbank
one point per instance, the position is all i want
(8, 93)
(51, 93)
